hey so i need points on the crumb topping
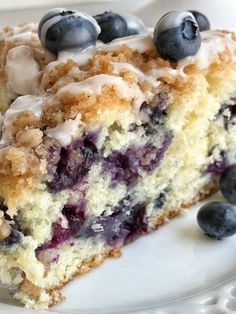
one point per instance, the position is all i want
(101, 86)
(5, 227)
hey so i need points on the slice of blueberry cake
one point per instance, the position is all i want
(107, 130)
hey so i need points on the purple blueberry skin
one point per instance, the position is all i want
(125, 167)
(227, 183)
(68, 165)
(12, 239)
(218, 166)
(217, 219)
(67, 31)
(125, 224)
(112, 26)
(160, 200)
(232, 113)
(15, 235)
(202, 20)
(177, 41)
(156, 110)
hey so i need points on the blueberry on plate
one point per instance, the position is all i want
(112, 26)
(227, 183)
(202, 20)
(135, 25)
(177, 35)
(60, 29)
(217, 219)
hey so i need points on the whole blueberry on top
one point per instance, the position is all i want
(60, 29)
(135, 25)
(227, 183)
(202, 20)
(50, 14)
(217, 219)
(112, 26)
(177, 35)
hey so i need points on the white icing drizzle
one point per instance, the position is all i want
(23, 71)
(90, 19)
(70, 129)
(140, 43)
(165, 71)
(24, 37)
(29, 28)
(172, 20)
(134, 23)
(120, 66)
(66, 132)
(95, 83)
(46, 26)
(213, 43)
(22, 103)
(21, 34)
(80, 57)
(55, 19)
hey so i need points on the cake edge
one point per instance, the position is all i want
(55, 296)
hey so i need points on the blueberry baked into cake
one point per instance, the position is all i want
(108, 129)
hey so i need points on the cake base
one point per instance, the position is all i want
(29, 290)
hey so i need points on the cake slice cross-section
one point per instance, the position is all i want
(102, 145)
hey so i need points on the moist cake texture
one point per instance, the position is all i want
(101, 146)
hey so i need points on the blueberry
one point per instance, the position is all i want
(228, 113)
(202, 20)
(112, 26)
(50, 14)
(217, 219)
(60, 30)
(160, 200)
(217, 166)
(68, 165)
(135, 25)
(177, 35)
(124, 167)
(227, 183)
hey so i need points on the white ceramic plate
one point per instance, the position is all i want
(176, 270)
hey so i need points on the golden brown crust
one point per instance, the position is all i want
(20, 170)
(87, 265)
(55, 297)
